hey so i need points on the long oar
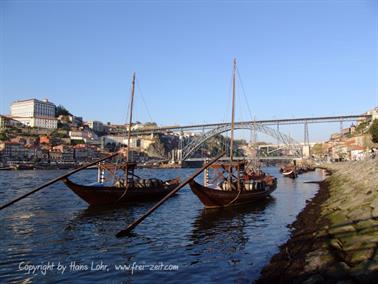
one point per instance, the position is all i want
(55, 180)
(152, 209)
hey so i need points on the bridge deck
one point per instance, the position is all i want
(285, 121)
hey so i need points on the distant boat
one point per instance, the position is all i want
(124, 187)
(234, 183)
(289, 172)
(5, 168)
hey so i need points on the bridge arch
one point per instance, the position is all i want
(290, 143)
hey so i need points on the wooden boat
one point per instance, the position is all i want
(139, 190)
(289, 172)
(235, 192)
(233, 183)
(5, 168)
(121, 184)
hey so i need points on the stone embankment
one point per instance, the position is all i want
(335, 238)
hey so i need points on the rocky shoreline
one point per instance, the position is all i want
(335, 238)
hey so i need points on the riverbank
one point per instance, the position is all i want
(334, 239)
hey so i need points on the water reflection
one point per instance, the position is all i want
(228, 218)
(225, 229)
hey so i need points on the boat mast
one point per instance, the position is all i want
(232, 124)
(131, 116)
(233, 113)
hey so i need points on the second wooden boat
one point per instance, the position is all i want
(233, 182)
(242, 188)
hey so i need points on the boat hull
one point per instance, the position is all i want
(213, 198)
(290, 174)
(110, 195)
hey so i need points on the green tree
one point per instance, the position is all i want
(374, 131)
(56, 134)
(150, 125)
(61, 110)
(3, 136)
(362, 127)
(317, 149)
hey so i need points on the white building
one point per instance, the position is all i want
(97, 126)
(34, 113)
(115, 139)
(85, 135)
(7, 121)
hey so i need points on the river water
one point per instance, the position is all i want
(61, 239)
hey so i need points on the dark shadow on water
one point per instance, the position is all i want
(224, 233)
(99, 215)
(212, 217)
(118, 208)
(113, 215)
(224, 228)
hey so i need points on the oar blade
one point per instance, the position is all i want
(126, 232)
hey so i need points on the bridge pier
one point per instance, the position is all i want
(278, 131)
(306, 142)
(306, 151)
(176, 156)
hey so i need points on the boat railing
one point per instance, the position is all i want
(250, 185)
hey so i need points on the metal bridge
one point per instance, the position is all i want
(278, 158)
(268, 122)
(294, 148)
(194, 144)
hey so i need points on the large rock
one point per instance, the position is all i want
(336, 244)
(367, 226)
(318, 260)
(361, 213)
(337, 217)
(363, 254)
(355, 242)
(374, 206)
(339, 270)
(341, 230)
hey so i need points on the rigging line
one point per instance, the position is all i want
(227, 112)
(240, 110)
(127, 115)
(119, 158)
(128, 111)
(144, 101)
(244, 93)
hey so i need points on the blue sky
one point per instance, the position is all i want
(295, 58)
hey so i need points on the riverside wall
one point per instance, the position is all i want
(335, 238)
